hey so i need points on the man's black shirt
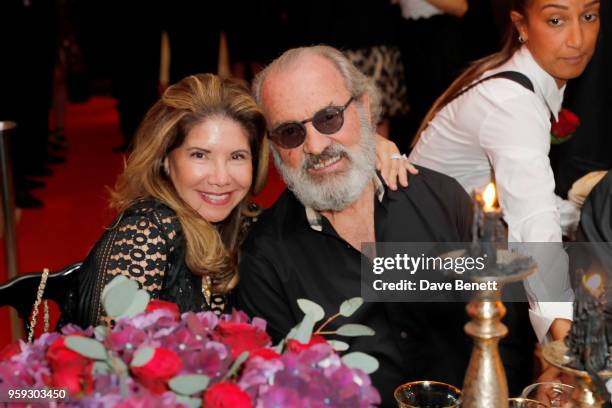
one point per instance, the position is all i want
(285, 258)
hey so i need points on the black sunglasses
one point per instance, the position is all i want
(327, 121)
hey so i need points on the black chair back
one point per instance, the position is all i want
(20, 292)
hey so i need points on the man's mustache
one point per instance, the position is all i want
(330, 152)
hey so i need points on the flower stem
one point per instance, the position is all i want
(328, 321)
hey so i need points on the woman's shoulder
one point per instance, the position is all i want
(149, 213)
(147, 207)
(503, 89)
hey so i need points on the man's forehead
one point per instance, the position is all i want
(306, 83)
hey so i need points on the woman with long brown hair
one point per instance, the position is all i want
(183, 198)
(494, 122)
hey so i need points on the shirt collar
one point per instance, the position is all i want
(544, 84)
(315, 219)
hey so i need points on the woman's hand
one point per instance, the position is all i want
(392, 165)
(560, 328)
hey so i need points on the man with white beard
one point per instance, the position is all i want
(321, 112)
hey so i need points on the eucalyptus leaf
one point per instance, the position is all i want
(117, 364)
(114, 282)
(292, 333)
(308, 306)
(304, 332)
(139, 304)
(338, 345)
(236, 365)
(142, 356)
(100, 367)
(189, 384)
(119, 298)
(87, 347)
(353, 329)
(123, 387)
(101, 332)
(190, 402)
(361, 360)
(350, 306)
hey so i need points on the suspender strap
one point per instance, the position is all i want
(511, 75)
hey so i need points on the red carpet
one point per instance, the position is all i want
(76, 207)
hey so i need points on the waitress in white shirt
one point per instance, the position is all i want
(500, 129)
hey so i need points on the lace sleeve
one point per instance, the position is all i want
(141, 249)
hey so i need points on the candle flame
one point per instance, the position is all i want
(594, 283)
(489, 196)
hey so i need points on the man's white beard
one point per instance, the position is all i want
(333, 191)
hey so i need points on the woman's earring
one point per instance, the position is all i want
(522, 40)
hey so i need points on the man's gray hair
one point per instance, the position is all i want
(356, 82)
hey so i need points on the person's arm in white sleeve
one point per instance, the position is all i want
(457, 8)
(515, 139)
(570, 216)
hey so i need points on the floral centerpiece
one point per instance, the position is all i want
(155, 357)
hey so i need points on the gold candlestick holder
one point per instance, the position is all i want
(555, 353)
(485, 385)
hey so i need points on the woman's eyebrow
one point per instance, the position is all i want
(557, 6)
(198, 149)
(562, 7)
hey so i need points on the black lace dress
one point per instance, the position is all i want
(144, 243)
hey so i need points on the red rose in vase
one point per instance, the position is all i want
(295, 346)
(265, 353)
(163, 365)
(241, 337)
(74, 381)
(9, 351)
(157, 304)
(226, 395)
(563, 128)
(69, 369)
(59, 356)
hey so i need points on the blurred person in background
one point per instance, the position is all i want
(29, 40)
(430, 39)
(366, 31)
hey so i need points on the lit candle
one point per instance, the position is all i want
(594, 284)
(488, 196)
(487, 227)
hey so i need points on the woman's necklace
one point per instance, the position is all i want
(206, 284)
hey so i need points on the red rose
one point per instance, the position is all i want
(296, 346)
(157, 304)
(226, 395)
(567, 124)
(265, 353)
(60, 356)
(69, 369)
(74, 380)
(164, 365)
(9, 351)
(241, 337)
